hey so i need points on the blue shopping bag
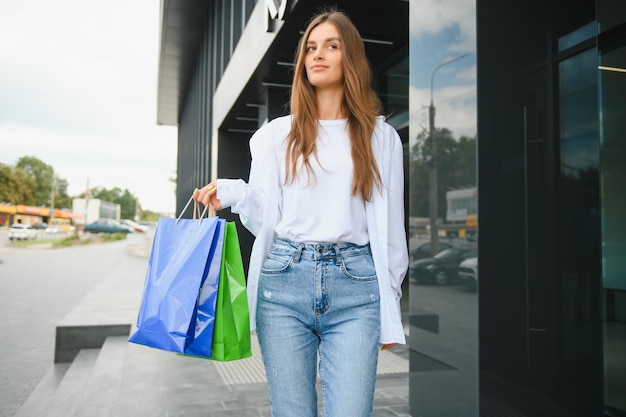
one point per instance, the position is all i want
(180, 290)
(207, 300)
(231, 326)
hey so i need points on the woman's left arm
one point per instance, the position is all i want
(396, 238)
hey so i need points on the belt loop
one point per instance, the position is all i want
(338, 254)
(298, 254)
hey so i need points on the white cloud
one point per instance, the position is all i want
(78, 84)
(429, 17)
(443, 31)
(455, 109)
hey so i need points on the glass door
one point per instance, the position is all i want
(612, 98)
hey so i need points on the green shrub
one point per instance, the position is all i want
(65, 242)
(111, 237)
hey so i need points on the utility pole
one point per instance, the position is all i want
(87, 203)
(52, 198)
(433, 194)
(432, 181)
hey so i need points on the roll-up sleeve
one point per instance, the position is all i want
(249, 200)
(397, 245)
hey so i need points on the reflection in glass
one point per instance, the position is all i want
(393, 87)
(613, 174)
(443, 333)
(579, 246)
(578, 36)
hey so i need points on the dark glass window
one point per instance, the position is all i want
(579, 231)
(393, 89)
(582, 34)
(238, 21)
(612, 76)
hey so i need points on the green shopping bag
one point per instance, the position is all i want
(231, 331)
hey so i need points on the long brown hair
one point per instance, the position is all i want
(360, 103)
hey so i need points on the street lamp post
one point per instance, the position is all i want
(52, 190)
(434, 206)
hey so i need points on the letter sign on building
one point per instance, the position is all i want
(275, 10)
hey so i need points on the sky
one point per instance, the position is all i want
(78, 88)
(442, 31)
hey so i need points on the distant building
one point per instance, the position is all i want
(93, 209)
(461, 204)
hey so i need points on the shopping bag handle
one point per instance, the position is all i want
(196, 209)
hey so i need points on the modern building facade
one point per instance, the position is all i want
(532, 88)
(552, 310)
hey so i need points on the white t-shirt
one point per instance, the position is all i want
(321, 207)
(259, 204)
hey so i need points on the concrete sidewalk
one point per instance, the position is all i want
(100, 374)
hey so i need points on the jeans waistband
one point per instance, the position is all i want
(321, 250)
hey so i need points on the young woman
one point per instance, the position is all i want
(325, 202)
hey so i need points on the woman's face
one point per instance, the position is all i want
(324, 67)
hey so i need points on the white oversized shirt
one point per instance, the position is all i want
(259, 204)
(321, 207)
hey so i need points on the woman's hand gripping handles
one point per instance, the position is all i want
(207, 195)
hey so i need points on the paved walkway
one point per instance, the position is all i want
(38, 288)
(102, 284)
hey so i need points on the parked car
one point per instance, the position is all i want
(58, 225)
(40, 225)
(19, 231)
(468, 272)
(443, 267)
(135, 226)
(107, 226)
(423, 250)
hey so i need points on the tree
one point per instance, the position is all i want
(44, 180)
(61, 198)
(16, 186)
(128, 205)
(456, 168)
(42, 174)
(418, 184)
(149, 216)
(128, 202)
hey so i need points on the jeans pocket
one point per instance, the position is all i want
(276, 262)
(359, 268)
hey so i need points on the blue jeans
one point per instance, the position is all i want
(319, 299)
